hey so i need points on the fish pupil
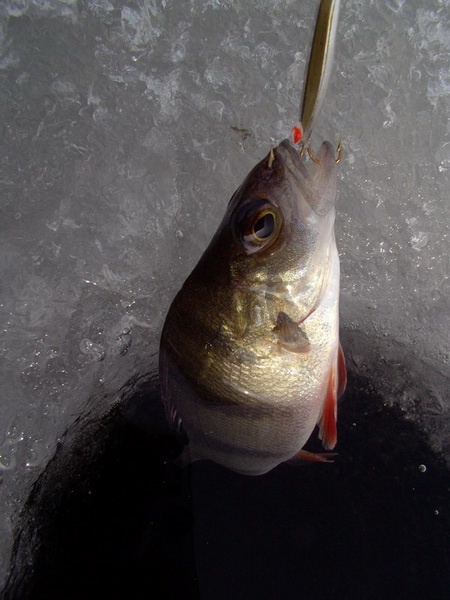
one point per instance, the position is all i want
(264, 226)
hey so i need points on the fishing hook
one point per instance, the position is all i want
(314, 158)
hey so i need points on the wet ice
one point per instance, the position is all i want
(121, 145)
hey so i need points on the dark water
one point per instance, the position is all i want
(113, 517)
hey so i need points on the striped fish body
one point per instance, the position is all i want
(249, 359)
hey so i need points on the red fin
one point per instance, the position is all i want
(342, 372)
(312, 457)
(327, 422)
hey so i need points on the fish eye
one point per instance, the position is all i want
(264, 226)
(258, 226)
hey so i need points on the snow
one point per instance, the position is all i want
(126, 127)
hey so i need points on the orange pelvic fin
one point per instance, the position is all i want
(324, 457)
(327, 421)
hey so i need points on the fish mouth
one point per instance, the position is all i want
(299, 175)
(289, 155)
(295, 167)
(316, 181)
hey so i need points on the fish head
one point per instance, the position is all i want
(278, 227)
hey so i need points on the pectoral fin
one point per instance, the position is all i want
(290, 335)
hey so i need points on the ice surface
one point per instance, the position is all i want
(125, 128)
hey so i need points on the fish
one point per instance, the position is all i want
(250, 358)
